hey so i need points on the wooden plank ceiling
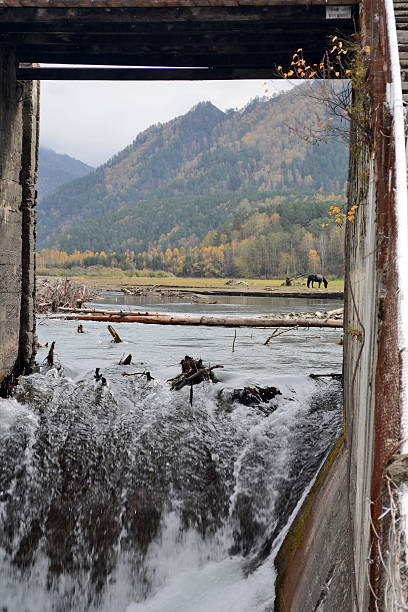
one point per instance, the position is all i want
(168, 39)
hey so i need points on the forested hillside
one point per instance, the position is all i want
(268, 236)
(179, 180)
(55, 169)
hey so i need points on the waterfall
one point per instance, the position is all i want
(124, 496)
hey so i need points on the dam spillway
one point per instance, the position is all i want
(125, 493)
(375, 300)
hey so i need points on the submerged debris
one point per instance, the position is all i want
(279, 333)
(126, 361)
(39, 345)
(332, 375)
(149, 377)
(114, 334)
(97, 374)
(50, 356)
(99, 378)
(196, 298)
(249, 396)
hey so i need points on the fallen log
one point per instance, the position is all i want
(149, 377)
(332, 375)
(173, 319)
(338, 311)
(135, 313)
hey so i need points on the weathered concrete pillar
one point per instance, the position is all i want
(19, 116)
(28, 179)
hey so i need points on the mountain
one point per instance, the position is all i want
(55, 169)
(179, 180)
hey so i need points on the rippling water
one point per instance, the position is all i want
(125, 497)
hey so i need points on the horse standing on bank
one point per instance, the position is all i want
(316, 278)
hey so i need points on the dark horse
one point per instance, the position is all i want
(316, 278)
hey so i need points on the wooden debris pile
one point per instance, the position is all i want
(197, 298)
(155, 290)
(231, 282)
(162, 291)
(193, 372)
(54, 294)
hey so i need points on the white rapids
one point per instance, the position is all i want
(124, 497)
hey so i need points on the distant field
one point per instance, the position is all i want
(114, 283)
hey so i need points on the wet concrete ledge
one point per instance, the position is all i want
(314, 568)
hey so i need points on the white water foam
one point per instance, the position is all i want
(216, 587)
(188, 565)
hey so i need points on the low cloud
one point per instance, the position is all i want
(93, 120)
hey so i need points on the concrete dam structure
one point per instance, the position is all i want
(345, 547)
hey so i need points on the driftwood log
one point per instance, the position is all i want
(135, 313)
(155, 318)
(332, 375)
(149, 377)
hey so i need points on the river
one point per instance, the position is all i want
(124, 497)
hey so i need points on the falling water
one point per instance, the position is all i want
(125, 497)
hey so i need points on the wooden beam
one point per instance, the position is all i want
(255, 51)
(162, 3)
(115, 22)
(70, 16)
(243, 60)
(140, 40)
(143, 74)
(139, 34)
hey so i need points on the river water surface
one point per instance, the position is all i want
(124, 497)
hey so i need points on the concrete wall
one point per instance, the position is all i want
(360, 359)
(343, 511)
(322, 565)
(314, 561)
(371, 357)
(19, 116)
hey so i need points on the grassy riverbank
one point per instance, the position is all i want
(115, 283)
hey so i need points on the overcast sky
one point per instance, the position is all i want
(94, 120)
